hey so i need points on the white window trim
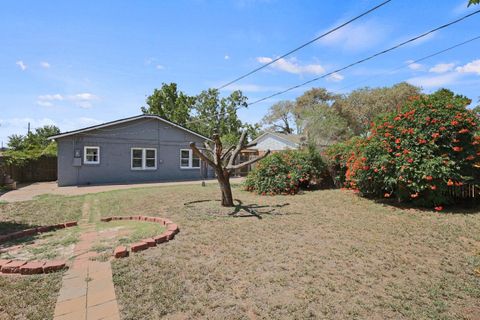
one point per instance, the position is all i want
(85, 161)
(144, 159)
(190, 160)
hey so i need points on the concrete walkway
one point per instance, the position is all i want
(87, 291)
(29, 191)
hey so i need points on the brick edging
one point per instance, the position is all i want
(9, 266)
(169, 234)
(33, 231)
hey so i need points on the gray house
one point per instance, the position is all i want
(143, 148)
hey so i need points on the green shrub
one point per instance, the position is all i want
(418, 153)
(285, 172)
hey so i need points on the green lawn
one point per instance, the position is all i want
(321, 254)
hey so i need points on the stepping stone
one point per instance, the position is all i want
(106, 219)
(54, 265)
(34, 267)
(13, 266)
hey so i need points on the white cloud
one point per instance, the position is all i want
(292, 66)
(159, 67)
(442, 67)
(335, 77)
(21, 65)
(83, 97)
(434, 81)
(45, 64)
(356, 37)
(227, 57)
(51, 97)
(471, 67)
(413, 65)
(83, 100)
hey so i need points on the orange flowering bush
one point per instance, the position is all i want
(285, 172)
(418, 153)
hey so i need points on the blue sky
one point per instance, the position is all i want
(79, 63)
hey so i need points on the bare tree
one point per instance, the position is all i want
(223, 162)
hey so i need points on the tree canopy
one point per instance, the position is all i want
(31, 146)
(281, 117)
(206, 113)
(169, 103)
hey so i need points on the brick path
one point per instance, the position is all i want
(87, 289)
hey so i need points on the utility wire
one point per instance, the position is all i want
(366, 59)
(363, 60)
(304, 45)
(410, 63)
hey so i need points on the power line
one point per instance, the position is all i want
(304, 45)
(363, 60)
(412, 62)
(366, 59)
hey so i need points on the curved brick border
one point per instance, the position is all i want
(8, 266)
(169, 234)
(34, 231)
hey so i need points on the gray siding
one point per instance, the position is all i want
(115, 144)
(271, 142)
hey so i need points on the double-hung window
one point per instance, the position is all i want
(144, 159)
(91, 155)
(188, 160)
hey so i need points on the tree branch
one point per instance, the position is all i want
(201, 155)
(240, 146)
(241, 165)
(224, 155)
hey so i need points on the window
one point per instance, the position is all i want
(144, 159)
(91, 155)
(188, 160)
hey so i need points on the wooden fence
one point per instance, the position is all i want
(43, 169)
(466, 191)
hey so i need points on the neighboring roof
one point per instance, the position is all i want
(112, 123)
(293, 138)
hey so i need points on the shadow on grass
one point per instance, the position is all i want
(465, 207)
(241, 210)
(7, 227)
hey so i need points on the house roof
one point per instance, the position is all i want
(112, 123)
(293, 138)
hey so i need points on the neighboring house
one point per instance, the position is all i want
(275, 141)
(143, 148)
(269, 140)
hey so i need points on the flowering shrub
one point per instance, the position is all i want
(418, 153)
(285, 172)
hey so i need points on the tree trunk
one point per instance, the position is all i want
(227, 197)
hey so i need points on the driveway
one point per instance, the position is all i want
(29, 191)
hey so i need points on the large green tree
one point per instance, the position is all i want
(362, 106)
(218, 115)
(281, 117)
(170, 103)
(31, 146)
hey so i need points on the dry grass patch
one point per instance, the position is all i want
(44, 210)
(322, 254)
(31, 297)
